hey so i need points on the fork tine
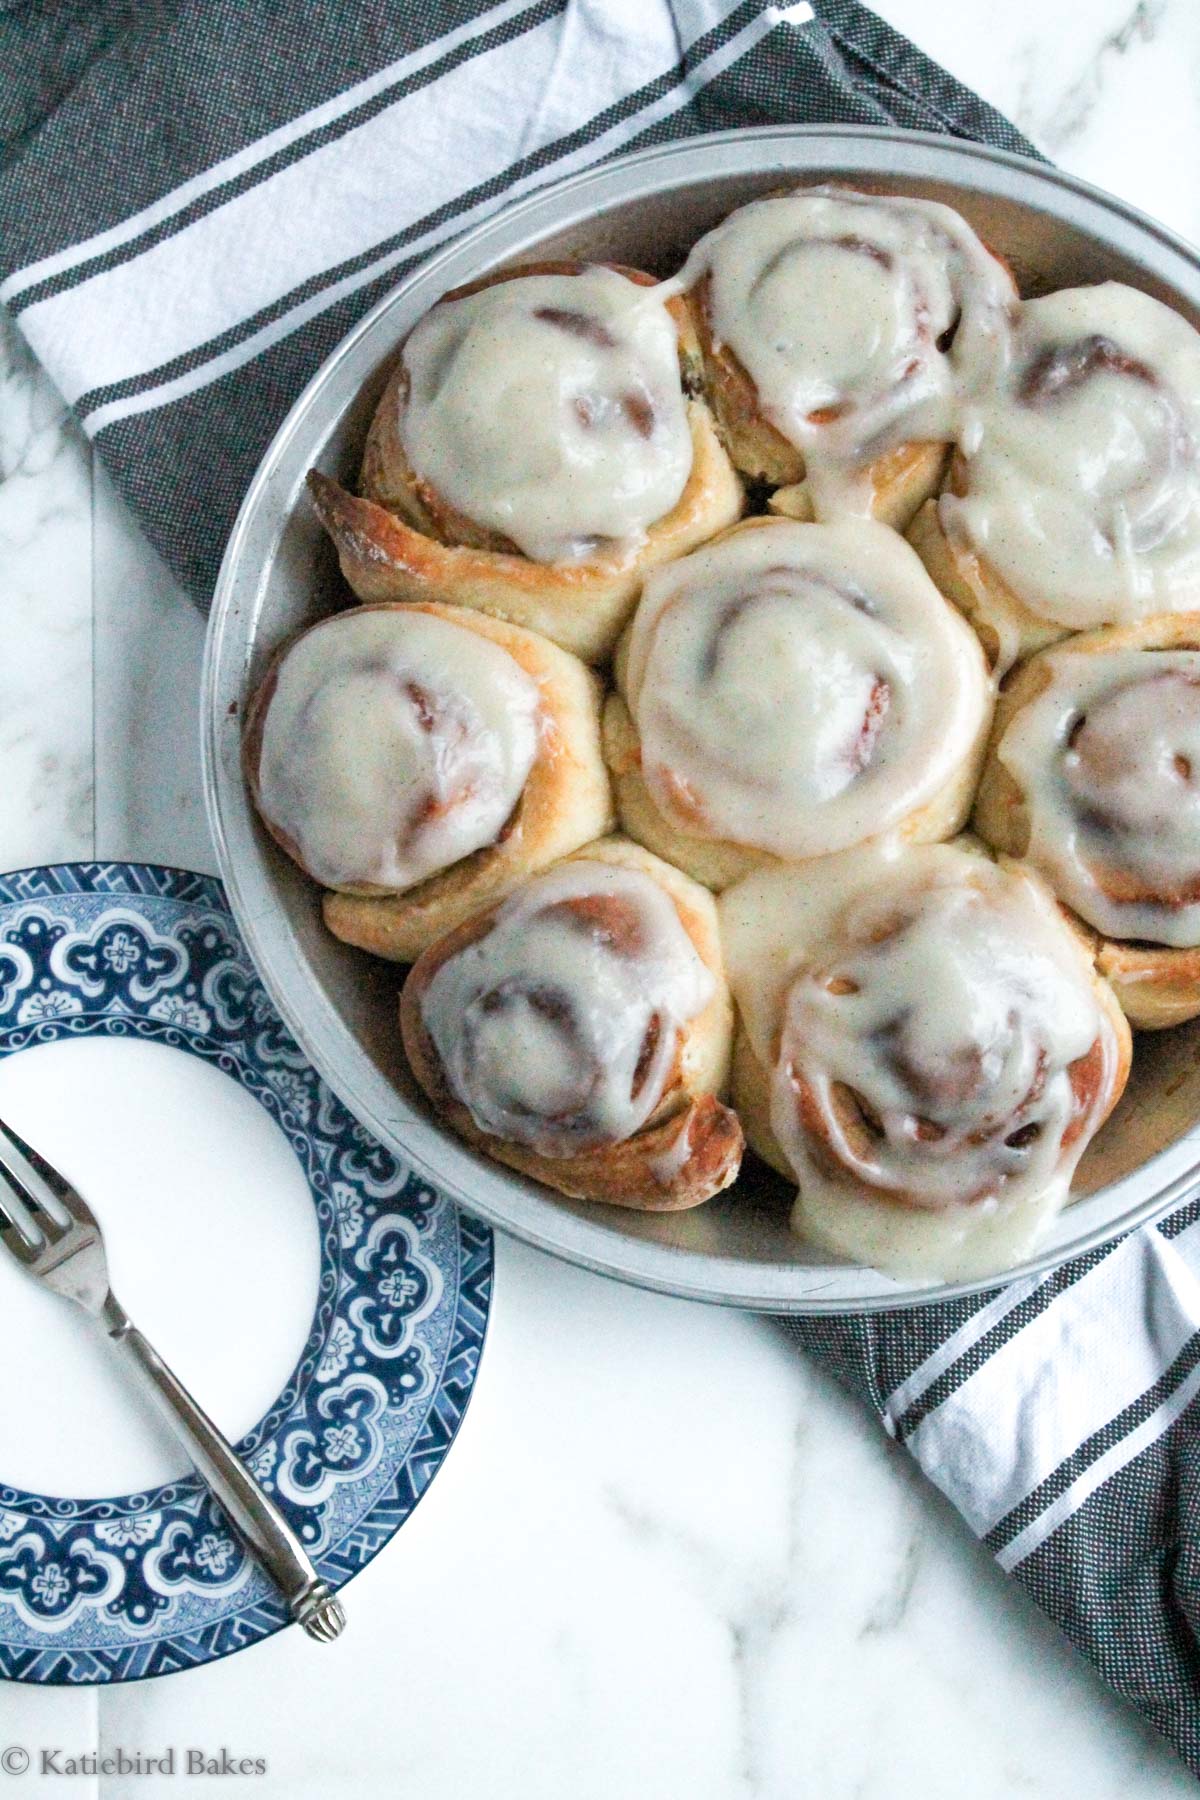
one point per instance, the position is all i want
(47, 1226)
(12, 1235)
(29, 1178)
(58, 1184)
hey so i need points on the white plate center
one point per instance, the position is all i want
(213, 1251)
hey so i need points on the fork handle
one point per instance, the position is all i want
(256, 1518)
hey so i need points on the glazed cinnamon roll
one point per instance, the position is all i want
(840, 330)
(1074, 500)
(580, 1032)
(421, 761)
(534, 453)
(790, 690)
(1093, 776)
(928, 1052)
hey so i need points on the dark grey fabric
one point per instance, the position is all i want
(1121, 1577)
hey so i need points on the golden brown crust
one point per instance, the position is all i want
(1157, 986)
(717, 862)
(714, 862)
(625, 1174)
(690, 1148)
(399, 541)
(1008, 630)
(756, 448)
(902, 480)
(580, 606)
(566, 801)
(752, 1099)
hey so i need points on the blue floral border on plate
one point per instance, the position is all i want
(144, 1584)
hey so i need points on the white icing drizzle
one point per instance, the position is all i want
(670, 1163)
(1083, 473)
(549, 408)
(559, 1028)
(920, 1012)
(394, 744)
(1108, 760)
(798, 688)
(835, 304)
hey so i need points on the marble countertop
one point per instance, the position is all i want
(666, 1557)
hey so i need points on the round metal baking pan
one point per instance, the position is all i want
(279, 574)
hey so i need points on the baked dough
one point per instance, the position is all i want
(1074, 497)
(401, 539)
(924, 1046)
(563, 800)
(789, 690)
(1113, 826)
(581, 1032)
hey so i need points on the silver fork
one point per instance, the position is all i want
(59, 1242)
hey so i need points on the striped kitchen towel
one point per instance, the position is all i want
(198, 198)
(1061, 1415)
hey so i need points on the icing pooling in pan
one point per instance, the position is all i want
(1107, 758)
(394, 744)
(549, 408)
(1082, 468)
(839, 307)
(798, 688)
(559, 1027)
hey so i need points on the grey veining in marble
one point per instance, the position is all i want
(1073, 111)
(46, 615)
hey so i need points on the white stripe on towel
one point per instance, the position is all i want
(335, 203)
(951, 1349)
(230, 167)
(1065, 1375)
(248, 348)
(1117, 1457)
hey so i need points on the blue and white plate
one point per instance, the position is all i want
(143, 1584)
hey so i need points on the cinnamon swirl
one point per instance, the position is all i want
(421, 760)
(535, 451)
(580, 1032)
(790, 690)
(931, 1045)
(1093, 776)
(1074, 501)
(840, 330)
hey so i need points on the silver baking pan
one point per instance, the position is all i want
(279, 573)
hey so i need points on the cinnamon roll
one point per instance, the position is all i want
(534, 453)
(580, 1032)
(929, 1046)
(790, 690)
(840, 330)
(1074, 500)
(420, 761)
(1093, 776)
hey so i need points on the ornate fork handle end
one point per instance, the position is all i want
(319, 1612)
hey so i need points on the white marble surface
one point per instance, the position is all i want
(665, 1558)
